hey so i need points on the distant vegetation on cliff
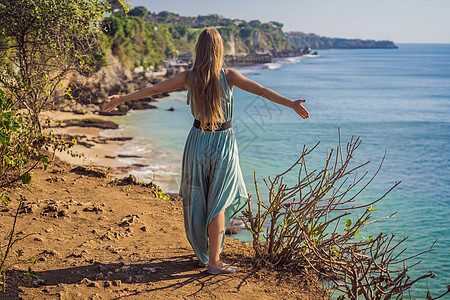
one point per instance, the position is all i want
(143, 38)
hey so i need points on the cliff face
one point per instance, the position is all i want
(302, 40)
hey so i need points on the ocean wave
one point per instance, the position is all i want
(311, 55)
(272, 66)
(275, 64)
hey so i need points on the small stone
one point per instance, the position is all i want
(38, 282)
(93, 284)
(106, 284)
(63, 213)
(75, 255)
(124, 269)
(51, 252)
(38, 239)
(129, 280)
(48, 230)
(139, 278)
(116, 282)
(148, 269)
(43, 258)
(144, 228)
(99, 276)
(50, 208)
(86, 281)
(93, 208)
(45, 290)
(109, 274)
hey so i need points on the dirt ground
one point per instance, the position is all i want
(97, 238)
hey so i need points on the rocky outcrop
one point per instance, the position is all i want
(86, 94)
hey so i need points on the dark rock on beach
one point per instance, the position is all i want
(120, 139)
(91, 171)
(141, 104)
(97, 123)
(129, 156)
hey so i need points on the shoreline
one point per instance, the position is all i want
(98, 150)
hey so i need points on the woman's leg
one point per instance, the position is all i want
(215, 233)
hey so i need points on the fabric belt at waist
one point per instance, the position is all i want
(222, 126)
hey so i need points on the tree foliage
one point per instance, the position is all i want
(140, 43)
(41, 41)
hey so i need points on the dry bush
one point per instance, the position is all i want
(310, 227)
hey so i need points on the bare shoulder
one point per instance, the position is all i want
(231, 72)
(181, 78)
(183, 74)
(232, 76)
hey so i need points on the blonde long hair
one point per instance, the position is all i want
(204, 79)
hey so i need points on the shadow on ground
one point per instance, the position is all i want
(159, 274)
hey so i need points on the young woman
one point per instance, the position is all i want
(212, 185)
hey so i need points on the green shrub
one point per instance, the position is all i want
(18, 140)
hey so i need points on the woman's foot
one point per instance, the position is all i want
(221, 268)
(202, 264)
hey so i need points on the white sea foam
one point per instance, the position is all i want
(272, 66)
(312, 55)
(275, 64)
(151, 165)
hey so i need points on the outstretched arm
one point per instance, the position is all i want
(172, 83)
(235, 78)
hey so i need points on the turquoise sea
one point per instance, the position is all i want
(396, 100)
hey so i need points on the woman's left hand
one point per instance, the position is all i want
(299, 109)
(113, 102)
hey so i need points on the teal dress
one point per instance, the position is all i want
(211, 179)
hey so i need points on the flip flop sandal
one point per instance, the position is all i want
(215, 271)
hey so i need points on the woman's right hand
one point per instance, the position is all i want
(299, 109)
(113, 102)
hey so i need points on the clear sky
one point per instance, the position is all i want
(402, 21)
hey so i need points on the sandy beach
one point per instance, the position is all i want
(100, 238)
